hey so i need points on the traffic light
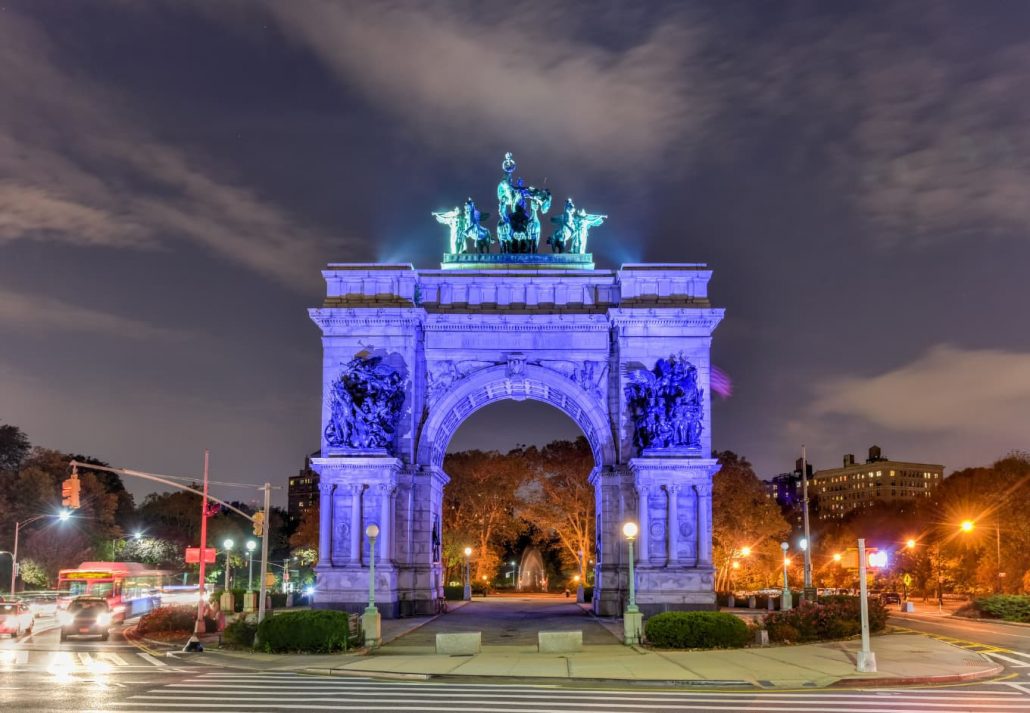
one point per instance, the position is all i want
(70, 492)
(259, 524)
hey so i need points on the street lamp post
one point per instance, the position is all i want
(968, 525)
(467, 591)
(62, 516)
(227, 603)
(228, 551)
(371, 623)
(632, 619)
(250, 564)
(515, 575)
(580, 598)
(786, 601)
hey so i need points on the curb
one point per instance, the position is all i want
(918, 680)
(535, 680)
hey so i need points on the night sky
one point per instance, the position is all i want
(174, 174)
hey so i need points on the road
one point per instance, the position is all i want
(41, 673)
(1007, 644)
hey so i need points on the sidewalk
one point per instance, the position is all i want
(901, 658)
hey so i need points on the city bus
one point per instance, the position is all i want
(130, 588)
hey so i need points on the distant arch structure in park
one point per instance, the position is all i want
(409, 354)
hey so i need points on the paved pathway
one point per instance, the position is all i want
(509, 621)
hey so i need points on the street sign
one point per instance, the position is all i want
(193, 555)
(269, 579)
(907, 579)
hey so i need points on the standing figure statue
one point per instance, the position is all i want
(583, 222)
(566, 227)
(456, 221)
(474, 229)
(518, 225)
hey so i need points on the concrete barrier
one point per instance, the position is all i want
(559, 642)
(459, 644)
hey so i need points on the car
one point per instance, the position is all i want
(15, 619)
(43, 605)
(890, 598)
(85, 616)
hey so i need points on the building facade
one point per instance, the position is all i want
(858, 485)
(302, 491)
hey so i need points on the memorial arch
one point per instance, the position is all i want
(409, 354)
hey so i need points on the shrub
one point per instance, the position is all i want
(696, 630)
(240, 633)
(1010, 607)
(182, 618)
(318, 631)
(836, 617)
(453, 592)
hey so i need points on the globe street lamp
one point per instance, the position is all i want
(632, 619)
(786, 601)
(250, 564)
(371, 624)
(228, 548)
(580, 598)
(515, 575)
(467, 592)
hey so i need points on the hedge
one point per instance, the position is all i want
(320, 631)
(1010, 607)
(180, 618)
(696, 630)
(837, 617)
(240, 633)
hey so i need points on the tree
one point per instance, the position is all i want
(558, 500)
(743, 516)
(304, 540)
(479, 507)
(14, 446)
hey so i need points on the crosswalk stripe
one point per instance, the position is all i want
(153, 660)
(112, 658)
(1016, 663)
(501, 706)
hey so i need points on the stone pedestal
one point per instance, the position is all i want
(249, 602)
(371, 628)
(632, 627)
(674, 506)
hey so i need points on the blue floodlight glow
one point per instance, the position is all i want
(878, 559)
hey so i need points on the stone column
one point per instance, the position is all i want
(385, 523)
(704, 524)
(643, 521)
(674, 524)
(355, 524)
(325, 524)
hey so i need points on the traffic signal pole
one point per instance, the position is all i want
(198, 628)
(264, 554)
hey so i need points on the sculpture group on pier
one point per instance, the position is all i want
(365, 404)
(518, 221)
(666, 406)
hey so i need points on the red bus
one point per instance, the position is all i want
(130, 588)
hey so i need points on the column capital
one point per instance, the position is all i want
(326, 488)
(704, 490)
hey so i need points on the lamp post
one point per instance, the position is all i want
(786, 601)
(62, 516)
(580, 598)
(969, 525)
(467, 591)
(371, 623)
(228, 550)
(515, 575)
(250, 564)
(632, 619)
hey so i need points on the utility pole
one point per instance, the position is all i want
(264, 554)
(804, 515)
(198, 628)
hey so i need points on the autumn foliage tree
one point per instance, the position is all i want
(479, 509)
(558, 500)
(742, 516)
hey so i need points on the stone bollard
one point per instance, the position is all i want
(751, 602)
(762, 637)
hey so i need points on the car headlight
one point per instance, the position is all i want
(65, 618)
(103, 619)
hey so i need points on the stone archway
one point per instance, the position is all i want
(410, 354)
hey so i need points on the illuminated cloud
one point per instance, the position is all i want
(80, 168)
(515, 77)
(42, 314)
